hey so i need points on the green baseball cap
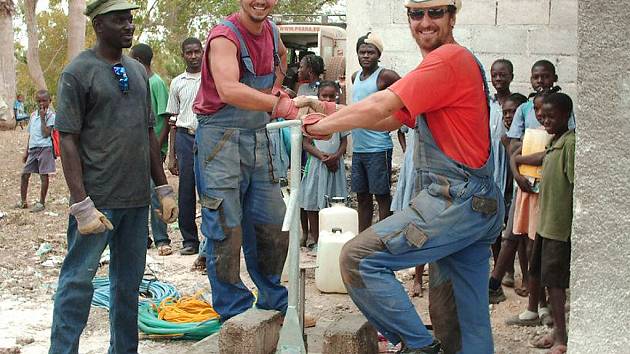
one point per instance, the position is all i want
(94, 8)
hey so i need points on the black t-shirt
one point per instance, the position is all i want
(112, 126)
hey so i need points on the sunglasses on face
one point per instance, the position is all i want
(121, 75)
(434, 14)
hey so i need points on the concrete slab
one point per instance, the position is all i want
(253, 331)
(351, 335)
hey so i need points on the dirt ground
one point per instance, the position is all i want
(27, 281)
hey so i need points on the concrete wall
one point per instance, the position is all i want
(600, 287)
(522, 31)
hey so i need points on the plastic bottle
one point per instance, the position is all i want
(327, 273)
(338, 216)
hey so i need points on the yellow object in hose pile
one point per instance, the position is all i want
(186, 309)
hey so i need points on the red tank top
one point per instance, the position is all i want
(260, 47)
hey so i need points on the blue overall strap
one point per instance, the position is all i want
(276, 34)
(245, 58)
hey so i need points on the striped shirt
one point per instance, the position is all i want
(182, 94)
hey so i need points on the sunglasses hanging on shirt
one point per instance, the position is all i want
(121, 75)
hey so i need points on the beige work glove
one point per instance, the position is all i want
(89, 219)
(168, 211)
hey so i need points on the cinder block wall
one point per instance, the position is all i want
(522, 31)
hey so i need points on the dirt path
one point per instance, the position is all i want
(27, 281)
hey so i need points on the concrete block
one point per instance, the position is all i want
(477, 12)
(253, 331)
(567, 69)
(350, 335)
(396, 38)
(398, 12)
(499, 39)
(564, 14)
(552, 40)
(522, 12)
(463, 35)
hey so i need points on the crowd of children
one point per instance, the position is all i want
(533, 145)
(539, 146)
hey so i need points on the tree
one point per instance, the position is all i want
(7, 60)
(32, 54)
(76, 28)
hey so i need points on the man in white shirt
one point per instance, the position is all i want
(182, 93)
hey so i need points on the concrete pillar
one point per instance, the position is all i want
(600, 264)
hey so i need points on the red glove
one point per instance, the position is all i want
(311, 119)
(284, 107)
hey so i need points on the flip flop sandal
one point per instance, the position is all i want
(165, 250)
(38, 207)
(508, 280)
(543, 342)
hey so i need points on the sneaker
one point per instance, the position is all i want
(497, 296)
(189, 250)
(21, 205)
(434, 348)
(38, 207)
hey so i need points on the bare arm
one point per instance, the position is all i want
(535, 159)
(282, 69)
(157, 171)
(375, 112)
(72, 168)
(342, 146)
(224, 66)
(307, 145)
(167, 128)
(387, 78)
(46, 130)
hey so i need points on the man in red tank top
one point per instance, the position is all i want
(235, 171)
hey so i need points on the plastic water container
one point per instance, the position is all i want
(338, 216)
(328, 273)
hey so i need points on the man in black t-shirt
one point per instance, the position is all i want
(109, 154)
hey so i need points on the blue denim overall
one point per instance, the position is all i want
(241, 200)
(451, 222)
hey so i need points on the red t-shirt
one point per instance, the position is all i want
(447, 87)
(260, 47)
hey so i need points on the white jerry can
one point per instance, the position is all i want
(338, 216)
(328, 273)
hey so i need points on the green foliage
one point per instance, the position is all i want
(163, 24)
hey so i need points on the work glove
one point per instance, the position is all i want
(168, 211)
(316, 105)
(284, 107)
(89, 219)
(311, 119)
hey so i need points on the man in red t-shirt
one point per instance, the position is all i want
(237, 181)
(456, 213)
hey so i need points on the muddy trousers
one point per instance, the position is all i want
(446, 232)
(128, 247)
(241, 207)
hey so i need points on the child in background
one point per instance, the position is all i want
(324, 173)
(525, 223)
(38, 157)
(551, 256)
